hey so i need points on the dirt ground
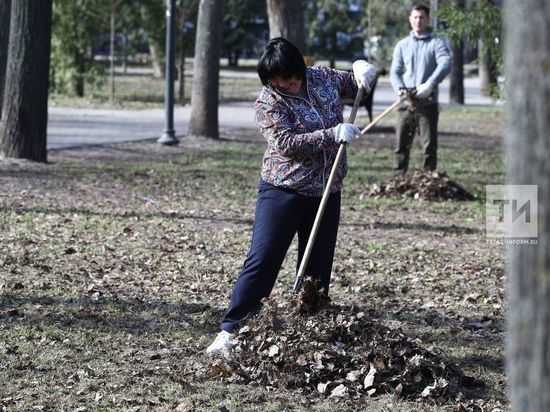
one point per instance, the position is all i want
(117, 261)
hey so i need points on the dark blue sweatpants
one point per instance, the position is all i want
(280, 214)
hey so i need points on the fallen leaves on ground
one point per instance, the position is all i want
(426, 185)
(338, 351)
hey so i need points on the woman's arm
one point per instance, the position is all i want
(278, 126)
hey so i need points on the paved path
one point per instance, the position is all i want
(70, 127)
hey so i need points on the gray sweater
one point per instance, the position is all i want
(420, 59)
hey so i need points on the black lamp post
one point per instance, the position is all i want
(168, 136)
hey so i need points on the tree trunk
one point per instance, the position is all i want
(433, 13)
(528, 150)
(457, 73)
(80, 65)
(112, 53)
(457, 66)
(25, 110)
(487, 75)
(155, 50)
(125, 51)
(182, 54)
(5, 6)
(286, 19)
(206, 68)
(155, 59)
(332, 49)
(182, 73)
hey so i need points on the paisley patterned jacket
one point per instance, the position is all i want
(300, 134)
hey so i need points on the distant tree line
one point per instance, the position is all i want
(86, 34)
(330, 30)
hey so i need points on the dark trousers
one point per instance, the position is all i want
(424, 118)
(280, 214)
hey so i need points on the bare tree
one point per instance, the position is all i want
(528, 149)
(5, 6)
(286, 19)
(24, 119)
(206, 68)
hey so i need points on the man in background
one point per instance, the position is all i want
(420, 61)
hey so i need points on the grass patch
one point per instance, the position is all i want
(115, 270)
(145, 91)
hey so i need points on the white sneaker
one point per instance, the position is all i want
(223, 342)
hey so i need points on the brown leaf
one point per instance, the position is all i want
(353, 376)
(437, 388)
(273, 350)
(301, 361)
(182, 407)
(399, 389)
(369, 379)
(339, 392)
(323, 387)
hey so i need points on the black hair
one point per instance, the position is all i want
(421, 7)
(280, 58)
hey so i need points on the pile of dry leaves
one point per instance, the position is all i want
(430, 186)
(330, 350)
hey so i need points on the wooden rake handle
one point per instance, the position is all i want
(383, 114)
(317, 223)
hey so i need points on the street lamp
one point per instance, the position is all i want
(168, 136)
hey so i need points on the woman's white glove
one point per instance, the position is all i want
(364, 74)
(345, 132)
(424, 90)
